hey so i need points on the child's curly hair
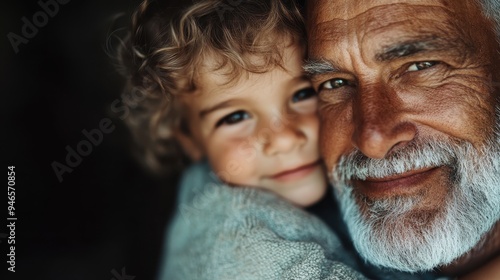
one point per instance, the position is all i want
(167, 44)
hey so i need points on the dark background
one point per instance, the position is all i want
(107, 217)
(108, 214)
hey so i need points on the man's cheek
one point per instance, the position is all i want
(327, 146)
(335, 136)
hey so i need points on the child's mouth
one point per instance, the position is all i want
(296, 173)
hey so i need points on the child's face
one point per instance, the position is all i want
(261, 131)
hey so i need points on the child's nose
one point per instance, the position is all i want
(284, 140)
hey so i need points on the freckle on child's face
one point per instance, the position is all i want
(261, 131)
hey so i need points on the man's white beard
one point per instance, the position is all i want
(390, 233)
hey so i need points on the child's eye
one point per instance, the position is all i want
(303, 94)
(233, 118)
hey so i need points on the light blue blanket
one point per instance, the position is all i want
(227, 233)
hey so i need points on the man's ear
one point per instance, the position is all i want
(188, 144)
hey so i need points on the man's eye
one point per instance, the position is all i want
(417, 66)
(334, 84)
(303, 94)
(233, 118)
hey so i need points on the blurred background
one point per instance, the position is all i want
(103, 217)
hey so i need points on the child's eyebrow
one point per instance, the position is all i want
(213, 108)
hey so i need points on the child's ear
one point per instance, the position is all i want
(188, 144)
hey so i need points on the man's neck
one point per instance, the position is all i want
(486, 249)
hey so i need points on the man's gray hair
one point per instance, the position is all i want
(491, 9)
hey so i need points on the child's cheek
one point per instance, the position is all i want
(234, 160)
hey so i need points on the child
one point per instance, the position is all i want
(224, 80)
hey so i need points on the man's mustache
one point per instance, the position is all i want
(420, 153)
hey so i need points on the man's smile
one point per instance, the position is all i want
(400, 184)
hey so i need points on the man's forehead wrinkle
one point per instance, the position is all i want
(390, 31)
(376, 18)
(331, 27)
(325, 35)
(384, 16)
(327, 10)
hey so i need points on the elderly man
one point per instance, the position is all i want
(411, 127)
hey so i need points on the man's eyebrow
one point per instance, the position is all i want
(411, 47)
(314, 67)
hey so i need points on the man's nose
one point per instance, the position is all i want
(379, 121)
(283, 139)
